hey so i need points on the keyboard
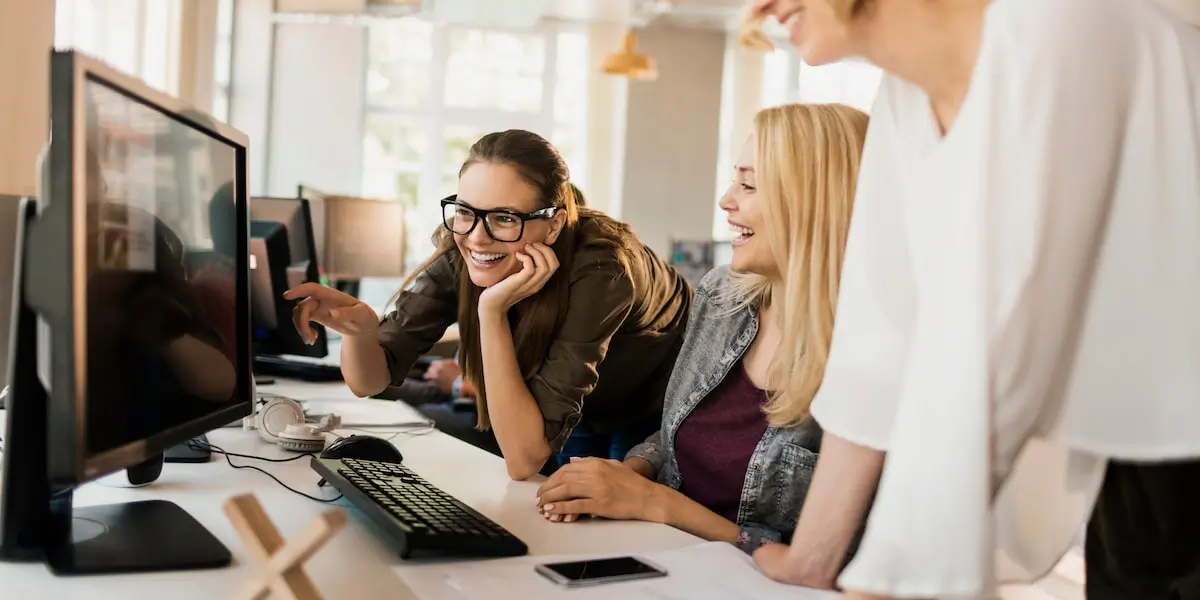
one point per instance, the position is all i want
(297, 367)
(418, 517)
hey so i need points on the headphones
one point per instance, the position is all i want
(281, 421)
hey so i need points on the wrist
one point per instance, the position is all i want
(364, 338)
(491, 315)
(658, 505)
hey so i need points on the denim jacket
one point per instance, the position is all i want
(781, 467)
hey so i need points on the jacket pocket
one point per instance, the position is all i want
(790, 477)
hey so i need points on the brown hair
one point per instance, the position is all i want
(537, 319)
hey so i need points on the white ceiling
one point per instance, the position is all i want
(692, 13)
(623, 10)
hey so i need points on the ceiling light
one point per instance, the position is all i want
(628, 62)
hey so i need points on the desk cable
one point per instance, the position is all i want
(203, 446)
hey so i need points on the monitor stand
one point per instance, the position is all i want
(38, 521)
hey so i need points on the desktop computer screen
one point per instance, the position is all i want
(273, 332)
(138, 263)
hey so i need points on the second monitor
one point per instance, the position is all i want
(284, 255)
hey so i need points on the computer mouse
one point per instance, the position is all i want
(364, 447)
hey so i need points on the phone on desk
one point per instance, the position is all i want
(599, 571)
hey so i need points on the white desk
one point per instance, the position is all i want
(355, 564)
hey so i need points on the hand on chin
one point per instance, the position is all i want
(537, 263)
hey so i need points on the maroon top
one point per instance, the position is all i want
(715, 442)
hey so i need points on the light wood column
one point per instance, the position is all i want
(26, 37)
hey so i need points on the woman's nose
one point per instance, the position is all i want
(727, 201)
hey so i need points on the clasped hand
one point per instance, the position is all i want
(538, 264)
(601, 488)
(336, 310)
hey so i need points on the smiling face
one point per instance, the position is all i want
(496, 186)
(744, 211)
(816, 30)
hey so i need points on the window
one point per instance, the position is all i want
(787, 78)
(223, 60)
(135, 36)
(432, 91)
(852, 83)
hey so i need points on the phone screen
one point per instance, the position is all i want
(587, 570)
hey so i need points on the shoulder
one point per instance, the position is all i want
(714, 295)
(1059, 34)
(438, 278)
(598, 261)
(714, 283)
(604, 247)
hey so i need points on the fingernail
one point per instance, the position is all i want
(548, 507)
(574, 458)
(538, 501)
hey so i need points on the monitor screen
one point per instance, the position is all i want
(161, 255)
(293, 214)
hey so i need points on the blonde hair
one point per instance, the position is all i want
(750, 33)
(806, 160)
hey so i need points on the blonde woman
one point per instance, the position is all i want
(1018, 321)
(737, 448)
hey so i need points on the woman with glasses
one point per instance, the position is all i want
(1018, 323)
(569, 325)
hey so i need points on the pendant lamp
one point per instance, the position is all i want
(628, 62)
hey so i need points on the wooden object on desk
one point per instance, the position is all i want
(282, 563)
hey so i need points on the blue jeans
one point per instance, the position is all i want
(586, 441)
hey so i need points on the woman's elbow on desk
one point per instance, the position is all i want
(523, 467)
(364, 366)
(361, 391)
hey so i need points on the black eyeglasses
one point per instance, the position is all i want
(502, 225)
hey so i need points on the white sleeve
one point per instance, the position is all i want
(1047, 113)
(876, 299)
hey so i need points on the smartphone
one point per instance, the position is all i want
(599, 571)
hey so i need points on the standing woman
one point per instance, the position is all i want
(569, 324)
(1018, 315)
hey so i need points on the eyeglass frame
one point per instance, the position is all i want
(481, 215)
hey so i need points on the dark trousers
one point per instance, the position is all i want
(459, 421)
(1143, 540)
(586, 441)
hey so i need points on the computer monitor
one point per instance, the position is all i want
(9, 211)
(146, 347)
(316, 205)
(293, 220)
(357, 237)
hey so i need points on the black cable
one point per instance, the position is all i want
(209, 447)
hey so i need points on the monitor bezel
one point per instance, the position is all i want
(68, 459)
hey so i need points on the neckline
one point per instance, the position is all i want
(931, 130)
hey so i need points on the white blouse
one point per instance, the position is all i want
(1021, 296)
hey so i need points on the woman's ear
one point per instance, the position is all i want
(557, 223)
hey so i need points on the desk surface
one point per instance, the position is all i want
(357, 562)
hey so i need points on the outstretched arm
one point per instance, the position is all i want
(841, 491)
